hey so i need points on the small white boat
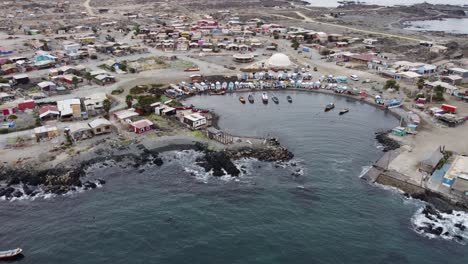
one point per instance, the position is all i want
(8, 254)
(265, 97)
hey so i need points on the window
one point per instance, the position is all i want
(98, 130)
(107, 127)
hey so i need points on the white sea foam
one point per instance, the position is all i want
(41, 194)
(364, 170)
(448, 223)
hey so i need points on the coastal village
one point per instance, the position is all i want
(77, 74)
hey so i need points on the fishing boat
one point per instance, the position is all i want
(289, 98)
(242, 99)
(344, 111)
(251, 98)
(193, 69)
(329, 107)
(274, 98)
(218, 93)
(265, 98)
(9, 254)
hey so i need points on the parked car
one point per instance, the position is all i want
(354, 77)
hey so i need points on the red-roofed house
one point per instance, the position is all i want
(142, 126)
(28, 104)
(48, 112)
(363, 58)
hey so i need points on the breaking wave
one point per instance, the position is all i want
(433, 224)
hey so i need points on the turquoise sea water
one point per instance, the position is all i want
(179, 214)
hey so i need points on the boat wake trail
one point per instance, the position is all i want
(431, 223)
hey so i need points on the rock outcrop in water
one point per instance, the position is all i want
(61, 180)
(386, 141)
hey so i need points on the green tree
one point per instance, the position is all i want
(392, 84)
(295, 45)
(137, 30)
(129, 101)
(12, 117)
(106, 104)
(421, 82)
(439, 93)
(75, 81)
(88, 77)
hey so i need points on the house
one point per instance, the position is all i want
(4, 112)
(4, 97)
(69, 108)
(48, 112)
(452, 79)
(460, 72)
(71, 49)
(80, 131)
(44, 58)
(124, 115)
(4, 87)
(370, 41)
(28, 104)
(427, 69)
(4, 51)
(162, 109)
(95, 101)
(100, 126)
(457, 176)
(450, 89)
(407, 76)
(47, 86)
(195, 120)
(438, 49)
(141, 126)
(430, 163)
(363, 58)
(46, 132)
(104, 79)
(20, 79)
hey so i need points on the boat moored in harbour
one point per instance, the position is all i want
(251, 98)
(265, 98)
(218, 93)
(275, 99)
(242, 99)
(344, 111)
(329, 107)
(10, 254)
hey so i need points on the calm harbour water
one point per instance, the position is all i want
(178, 214)
(334, 3)
(449, 25)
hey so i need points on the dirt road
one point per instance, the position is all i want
(310, 20)
(89, 10)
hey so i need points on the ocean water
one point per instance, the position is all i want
(449, 25)
(334, 3)
(177, 213)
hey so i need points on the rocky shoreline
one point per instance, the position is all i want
(30, 180)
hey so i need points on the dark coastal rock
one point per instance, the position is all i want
(458, 237)
(460, 226)
(89, 185)
(7, 192)
(218, 161)
(430, 211)
(268, 153)
(437, 231)
(158, 162)
(27, 190)
(101, 181)
(17, 194)
(386, 141)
